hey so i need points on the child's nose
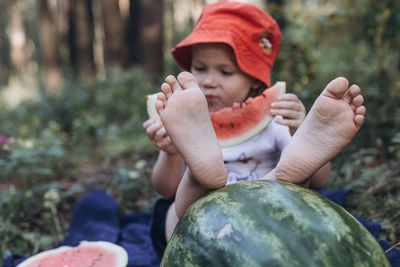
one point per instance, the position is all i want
(209, 80)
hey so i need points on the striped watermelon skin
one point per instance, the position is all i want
(270, 223)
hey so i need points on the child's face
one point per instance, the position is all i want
(219, 77)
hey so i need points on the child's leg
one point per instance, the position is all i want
(184, 112)
(171, 221)
(334, 119)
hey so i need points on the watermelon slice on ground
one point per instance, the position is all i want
(240, 122)
(95, 253)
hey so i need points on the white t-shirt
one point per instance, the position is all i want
(256, 157)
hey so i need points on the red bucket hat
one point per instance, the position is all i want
(253, 35)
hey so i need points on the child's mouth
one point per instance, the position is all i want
(210, 98)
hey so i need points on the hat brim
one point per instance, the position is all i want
(245, 56)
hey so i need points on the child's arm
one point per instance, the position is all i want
(167, 173)
(290, 107)
(169, 167)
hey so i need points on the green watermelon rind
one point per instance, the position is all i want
(122, 255)
(295, 227)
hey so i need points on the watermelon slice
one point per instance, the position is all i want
(240, 122)
(151, 107)
(96, 253)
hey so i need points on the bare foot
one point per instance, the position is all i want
(333, 121)
(184, 112)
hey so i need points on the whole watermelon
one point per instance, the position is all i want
(269, 223)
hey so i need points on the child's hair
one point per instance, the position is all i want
(253, 35)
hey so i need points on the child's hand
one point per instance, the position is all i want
(290, 107)
(158, 136)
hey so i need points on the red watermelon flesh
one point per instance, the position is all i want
(99, 254)
(242, 121)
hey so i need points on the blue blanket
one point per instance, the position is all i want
(96, 217)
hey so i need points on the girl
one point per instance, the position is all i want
(230, 53)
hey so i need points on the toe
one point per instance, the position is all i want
(161, 97)
(359, 120)
(336, 88)
(361, 110)
(187, 80)
(359, 116)
(159, 106)
(354, 90)
(167, 90)
(171, 80)
(357, 101)
(160, 102)
(351, 94)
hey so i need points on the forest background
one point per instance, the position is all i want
(74, 76)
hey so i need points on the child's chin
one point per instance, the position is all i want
(212, 107)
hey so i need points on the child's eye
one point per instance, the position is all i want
(225, 72)
(199, 68)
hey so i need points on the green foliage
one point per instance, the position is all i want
(104, 114)
(356, 40)
(23, 221)
(61, 146)
(359, 40)
(131, 187)
(33, 157)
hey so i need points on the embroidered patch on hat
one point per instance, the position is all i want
(265, 44)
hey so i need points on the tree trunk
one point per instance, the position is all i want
(18, 49)
(49, 48)
(4, 45)
(151, 36)
(81, 39)
(115, 47)
(98, 41)
(133, 32)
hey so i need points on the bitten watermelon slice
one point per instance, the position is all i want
(96, 253)
(241, 121)
(244, 120)
(270, 223)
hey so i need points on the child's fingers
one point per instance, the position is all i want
(288, 97)
(166, 145)
(287, 105)
(152, 129)
(147, 123)
(288, 122)
(286, 113)
(289, 101)
(161, 133)
(162, 141)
